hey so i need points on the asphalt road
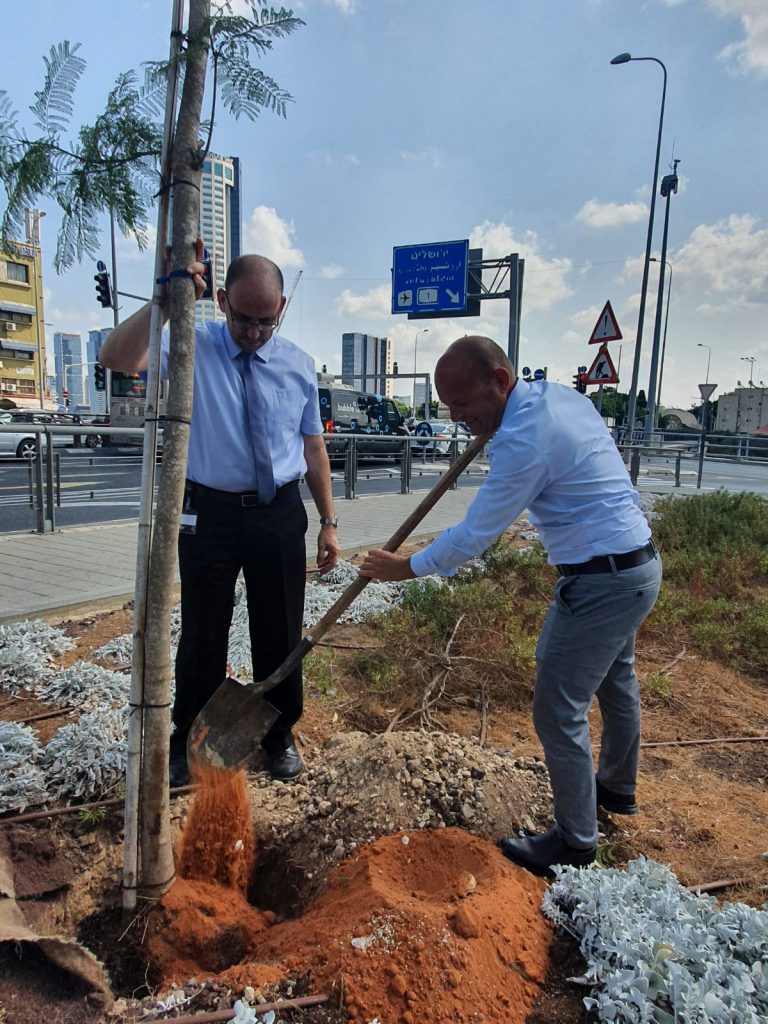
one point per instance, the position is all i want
(101, 486)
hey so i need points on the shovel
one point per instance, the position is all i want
(237, 717)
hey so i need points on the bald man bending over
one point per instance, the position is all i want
(256, 429)
(553, 455)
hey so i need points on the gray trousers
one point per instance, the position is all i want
(587, 649)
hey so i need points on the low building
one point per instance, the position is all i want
(22, 330)
(742, 411)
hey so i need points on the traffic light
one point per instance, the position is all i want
(580, 380)
(99, 377)
(207, 275)
(395, 368)
(103, 286)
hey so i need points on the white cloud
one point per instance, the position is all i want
(611, 215)
(333, 270)
(751, 53)
(729, 258)
(429, 155)
(375, 303)
(545, 280)
(269, 235)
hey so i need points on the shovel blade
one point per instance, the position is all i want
(230, 727)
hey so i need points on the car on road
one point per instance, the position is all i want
(20, 442)
(437, 440)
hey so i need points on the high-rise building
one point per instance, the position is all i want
(96, 400)
(365, 361)
(22, 332)
(220, 223)
(70, 369)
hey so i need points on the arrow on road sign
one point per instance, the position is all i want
(606, 328)
(602, 370)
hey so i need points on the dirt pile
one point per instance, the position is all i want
(358, 787)
(425, 926)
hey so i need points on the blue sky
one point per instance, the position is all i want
(503, 122)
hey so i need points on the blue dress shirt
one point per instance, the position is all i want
(554, 456)
(220, 452)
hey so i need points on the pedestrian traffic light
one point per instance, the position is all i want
(103, 286)
(99, 377)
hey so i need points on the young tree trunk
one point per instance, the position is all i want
(156, 854)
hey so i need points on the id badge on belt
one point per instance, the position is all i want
(188, 518)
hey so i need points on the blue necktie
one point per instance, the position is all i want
(258, 427)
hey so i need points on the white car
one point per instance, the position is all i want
(21, 442)
(437, 441)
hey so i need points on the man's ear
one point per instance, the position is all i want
(220, 298)
(503, 379)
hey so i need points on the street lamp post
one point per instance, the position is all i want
(668, 189)
(625, 58)
(424, 330)
(33, 218)
(751, 360)
(664, 340)
(700, 344)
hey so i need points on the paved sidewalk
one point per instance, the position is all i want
(83, 566)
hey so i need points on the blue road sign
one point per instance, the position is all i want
(430, 278)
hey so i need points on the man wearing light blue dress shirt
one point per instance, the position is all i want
(255, 431)
(553, 455)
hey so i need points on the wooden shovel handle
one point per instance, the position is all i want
(401, 533)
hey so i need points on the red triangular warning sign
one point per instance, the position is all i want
(606, 328)
(602, 371)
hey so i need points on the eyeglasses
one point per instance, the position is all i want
(245, 323)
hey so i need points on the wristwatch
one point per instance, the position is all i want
(329, 521)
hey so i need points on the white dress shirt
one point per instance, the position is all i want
(554, 456)
(220, 452)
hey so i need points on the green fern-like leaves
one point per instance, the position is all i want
(53, 108)
(234, 41)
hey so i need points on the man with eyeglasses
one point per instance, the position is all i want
(255, 430)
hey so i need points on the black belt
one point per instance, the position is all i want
(246, 499)
(611, 563)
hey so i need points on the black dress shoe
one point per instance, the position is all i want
(285, 765)
(539, 854)
(178, 770)
(615, 803)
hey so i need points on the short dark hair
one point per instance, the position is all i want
(253, 266)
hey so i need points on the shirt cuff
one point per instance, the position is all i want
(423, 564)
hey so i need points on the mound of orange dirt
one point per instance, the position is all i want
(427, 926)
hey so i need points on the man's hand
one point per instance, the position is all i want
(328, 548)
(384, 565)
(197, 269)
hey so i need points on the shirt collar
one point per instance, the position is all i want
(264, 354)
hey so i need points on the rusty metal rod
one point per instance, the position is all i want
(722, 883)
(720, 739)
(282, 1004)
(56, 812)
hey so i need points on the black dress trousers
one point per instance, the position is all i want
(268, 544)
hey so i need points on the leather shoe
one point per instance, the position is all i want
(178, 770)
(539, 853)
(285, 765)
(615, 803)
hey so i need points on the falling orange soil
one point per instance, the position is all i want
(427, 926)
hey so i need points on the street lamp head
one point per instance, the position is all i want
(622, 58)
